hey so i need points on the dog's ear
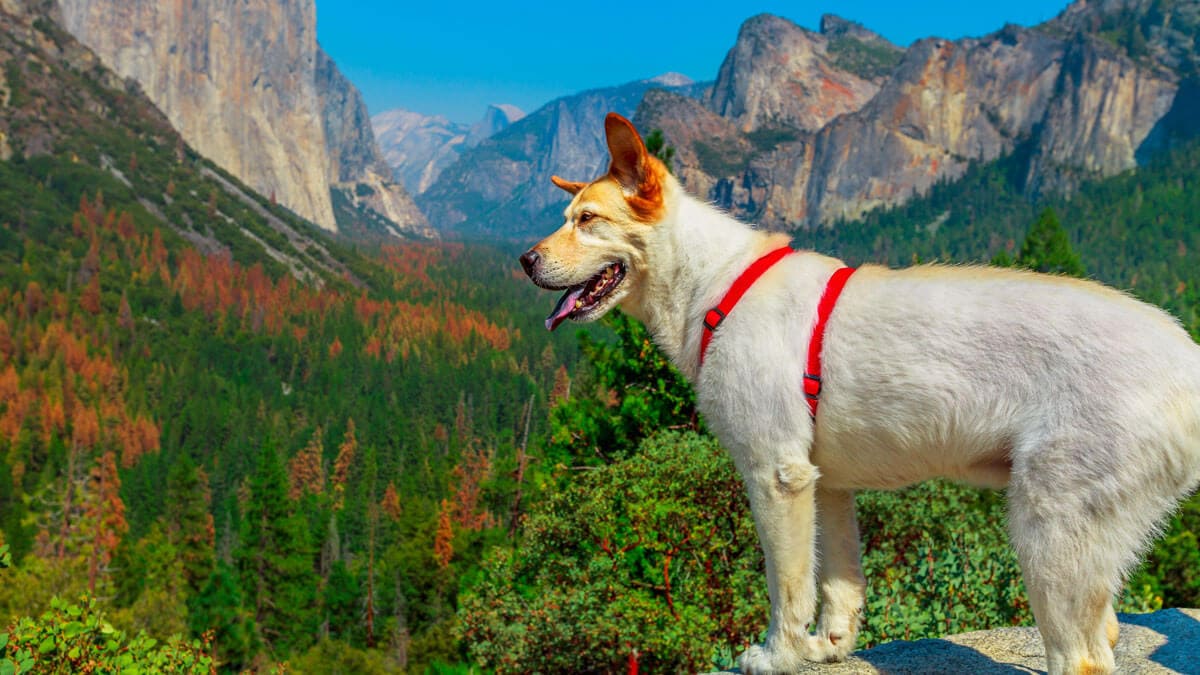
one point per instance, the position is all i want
(569, 186)
(627, 150)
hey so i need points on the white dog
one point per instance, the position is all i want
(1084, 402)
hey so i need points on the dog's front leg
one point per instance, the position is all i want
(783, 503)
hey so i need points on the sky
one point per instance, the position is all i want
(454, 58)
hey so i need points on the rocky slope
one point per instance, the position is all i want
(247, 85)
(72, 130)
(502, 186)
(357, 168)
(1161, 643)
(1077, 103)
(418, 147)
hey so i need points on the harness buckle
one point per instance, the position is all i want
(713, 318)
(812, 386)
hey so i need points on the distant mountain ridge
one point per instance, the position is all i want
(249, 87)
(417, 147)
(501, 187)
(807, 128)
(1085, 95)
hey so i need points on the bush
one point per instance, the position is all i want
(655, 554)
(75, 638)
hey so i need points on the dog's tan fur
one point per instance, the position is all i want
(1083, 402)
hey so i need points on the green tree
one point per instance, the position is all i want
(1046, 249)
(218, 608)
(656, 145)
(76, 638)
(189, 521)
(276, 560)
(628, 391)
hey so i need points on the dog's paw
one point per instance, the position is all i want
(766, 659)
(829, 647)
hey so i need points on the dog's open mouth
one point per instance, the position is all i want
(583, 298)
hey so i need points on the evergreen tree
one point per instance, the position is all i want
(275, 561)
(1046, 249)
(218, 608)
(656, 145)
(189, 522)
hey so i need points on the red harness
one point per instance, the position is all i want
(833, 288)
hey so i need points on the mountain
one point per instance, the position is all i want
(781, 75)
(248, 86)
(418, 147)
(501, 187)
(497, 118)
(866, 126)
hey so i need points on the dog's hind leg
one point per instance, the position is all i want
(783, 503)
(842, 582)
(1073, 564)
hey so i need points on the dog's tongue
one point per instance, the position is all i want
(565, 304)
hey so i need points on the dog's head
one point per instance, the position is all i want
(598, 255)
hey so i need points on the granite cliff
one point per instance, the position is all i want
(247, 85)
(869, 129)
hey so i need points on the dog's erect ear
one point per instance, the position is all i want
(627, 150)
(569, 186)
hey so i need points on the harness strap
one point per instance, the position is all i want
(716, 315)
(833, 288)
(812, 374)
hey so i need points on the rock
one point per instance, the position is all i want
(247, 86)
(357, 166)
(779, 74)
(1167, 641)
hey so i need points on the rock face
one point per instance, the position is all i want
(779, 74)
(357, 167)
(246, 85)
(418, 147)
(1163, 642)
(501, 187)
(1075, 103)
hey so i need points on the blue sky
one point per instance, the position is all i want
(453, 58)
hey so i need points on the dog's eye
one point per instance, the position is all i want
(585, 217)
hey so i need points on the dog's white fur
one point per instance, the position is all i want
(1084, 402)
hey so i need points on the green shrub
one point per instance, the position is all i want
(75, 638)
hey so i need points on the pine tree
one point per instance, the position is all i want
(656, 145)
(218, 608)
(189, 521)
(1046, 248)
(276, 561)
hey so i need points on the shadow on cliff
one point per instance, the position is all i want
(1182, 633)
(932, 656)
(1179, 124)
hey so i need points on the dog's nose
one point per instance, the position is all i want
(530, 260)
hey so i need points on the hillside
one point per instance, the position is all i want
(214, 415)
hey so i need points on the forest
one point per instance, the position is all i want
(232, 442)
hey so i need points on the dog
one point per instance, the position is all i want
(1081, 401)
